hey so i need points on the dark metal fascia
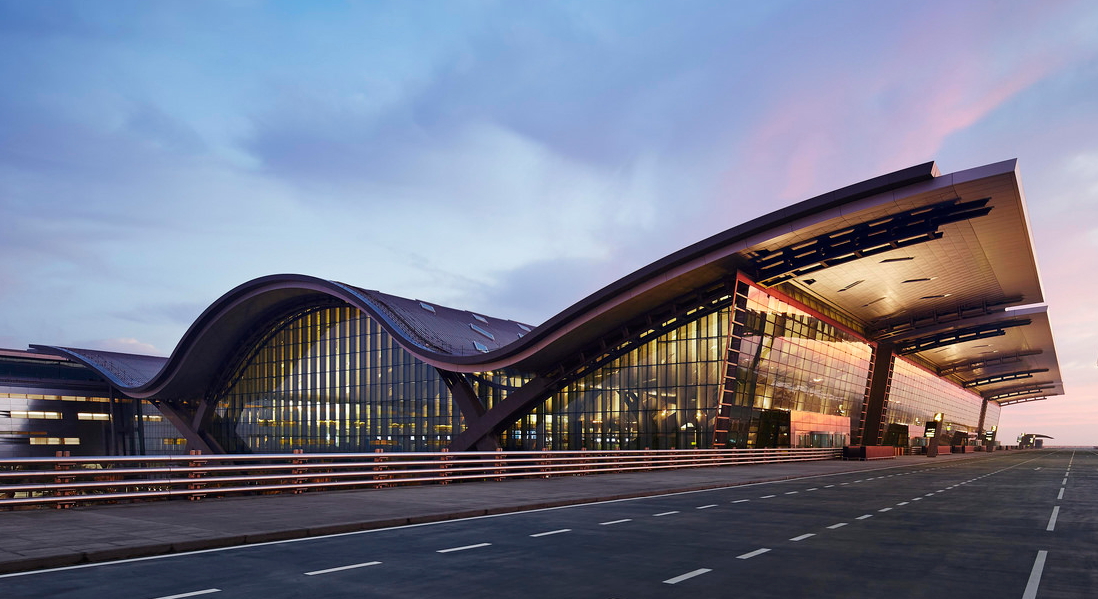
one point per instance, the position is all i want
(1002, 378)
(973, 333)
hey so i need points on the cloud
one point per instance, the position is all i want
(126, 345)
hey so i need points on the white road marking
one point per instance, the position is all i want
(615, 522)
(341, 568)
(828, 486)
(664, 514)
(687, 576)
(839, 525)
(1035, 576)
(928, 495)
(452, 549)
(551, 532)
(192, 594)
(1065, 481)
(916, 498)
(705, 507)
(803, 537)
(752, 554)
(1061, 495)
(1052, 520)
(767, 496)
(791, 492)
(885, 509)
(903, 503)
(863, 517)
(813, 489)
(741, 500)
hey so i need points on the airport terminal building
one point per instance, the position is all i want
(851, 318)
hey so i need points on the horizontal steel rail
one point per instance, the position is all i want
(68, 481)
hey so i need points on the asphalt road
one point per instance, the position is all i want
(1020, 524)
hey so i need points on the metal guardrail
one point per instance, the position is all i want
(69, 481)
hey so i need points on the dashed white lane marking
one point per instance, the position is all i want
(1065, 481)
(806, 535)
(191, 594)
(752, 554)
(916, 498)
(813, 489)
(705, 507)
(687, 576)
(1037, 468)
(1061, 495)
(828, 486)
(767, 496)
(741, 500)
(839, 525)
(1052, 520)
(551, 532)
(844, 483)
(791, 492)
(885, 509)
(664, 514)
(903, 503)
(929, 495)
(341, 568)
(864, 516)
(1035, 576)
(463, 548)
(615, 522)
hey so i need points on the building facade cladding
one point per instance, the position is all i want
(332, 379)
(765, 371)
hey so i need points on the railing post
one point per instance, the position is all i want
(62, 479)
(379, 469)
(298, 471)
(444, 466)
(194, 486)
(498, 463)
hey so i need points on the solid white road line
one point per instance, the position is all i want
(452, 549)
(705, 507)
(752, 554)
(615, 522)
(839, 525)
(1035, 576)
(687, 576)
(341, 568)
(664, 514)
(192, 594)
(803, 537)
(551, 532)
(1061, 495)
(1052, 520)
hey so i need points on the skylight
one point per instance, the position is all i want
(523, 327)
(427, 307)
(482, 331)
(480, 318)
(480, 346)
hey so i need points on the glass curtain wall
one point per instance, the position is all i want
(661, 395)
(917, 395)
(332, 379)
(793, 380)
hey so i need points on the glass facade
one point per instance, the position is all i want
(792, 380)
(662, 394)
(331, 379)
(918, 394)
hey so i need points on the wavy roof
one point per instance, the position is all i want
(908, 254)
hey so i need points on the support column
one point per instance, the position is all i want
(875, 409)
(481, 433)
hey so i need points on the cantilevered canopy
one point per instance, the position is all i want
(928, 265)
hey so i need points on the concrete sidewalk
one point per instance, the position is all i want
(47, 538)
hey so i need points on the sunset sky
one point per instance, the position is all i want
(506, 157)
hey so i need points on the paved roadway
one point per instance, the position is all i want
(1018, 524)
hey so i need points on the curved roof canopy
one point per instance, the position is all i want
(935, 266)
